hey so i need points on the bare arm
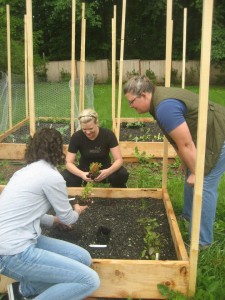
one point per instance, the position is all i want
(186, 148)
(117, 163)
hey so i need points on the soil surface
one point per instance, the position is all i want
(123, 235)
(141, 132)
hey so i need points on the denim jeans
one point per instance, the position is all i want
(209, 200)
(52, 269)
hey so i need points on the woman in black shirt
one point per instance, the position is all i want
(94, 145)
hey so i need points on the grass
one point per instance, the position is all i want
(211, 264)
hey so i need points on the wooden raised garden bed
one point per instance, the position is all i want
(137, 278)
(15, 150)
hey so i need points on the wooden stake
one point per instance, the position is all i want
(30, 65)
(121, 69)
(72, 119)
(184, 47)
(169, 37)
(9, 66)
(25, 65)
(82, 59)
(114, 69)
(201, 141)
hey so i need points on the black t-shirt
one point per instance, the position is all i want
(93, 151)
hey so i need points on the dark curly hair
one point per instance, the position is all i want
(46, 144)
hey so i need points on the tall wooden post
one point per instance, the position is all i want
(201, 141)
(121, 68)
(72, 117)
(184, 47)
(25, 65)
(82, 58)
(169, 39)
(30, 65)
(9, 67)
(114, 68)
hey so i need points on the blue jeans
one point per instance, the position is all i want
(209, 200)
(52, 269)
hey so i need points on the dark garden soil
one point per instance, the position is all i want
(136, 131)
(115, 223)
(140, 132)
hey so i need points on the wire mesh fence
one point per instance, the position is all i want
(52, 104)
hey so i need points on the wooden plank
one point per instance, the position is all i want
(119, 192)
(131, 120)
(12, 151)
(154, 149)
(4, 281)
(139, 278)
(174, 228)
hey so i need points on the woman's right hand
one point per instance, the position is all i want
(85, 177)
(80, 208)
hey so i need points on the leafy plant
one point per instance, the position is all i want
(94, 170)
(151, 238)
(136, 124)
(86, 193)
(63, 129)
(166, 292)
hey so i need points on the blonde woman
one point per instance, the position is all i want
(94, 144)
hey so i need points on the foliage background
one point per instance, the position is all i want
(145, 30)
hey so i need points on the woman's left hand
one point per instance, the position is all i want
(61, 226)
(103, 175)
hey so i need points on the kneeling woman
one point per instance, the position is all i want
(45, 268)
(94, 145)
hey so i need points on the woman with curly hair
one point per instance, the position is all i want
(45, 268)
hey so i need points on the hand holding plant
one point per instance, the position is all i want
(80, 208)
(94, 170)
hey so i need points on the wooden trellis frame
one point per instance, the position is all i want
(139, 279)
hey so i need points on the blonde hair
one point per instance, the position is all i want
(88, 115)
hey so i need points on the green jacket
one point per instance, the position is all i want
(215, 125)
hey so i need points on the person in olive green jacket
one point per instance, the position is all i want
(176, 112)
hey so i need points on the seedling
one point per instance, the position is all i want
(86, 194)
(94, 170)
(151, 238)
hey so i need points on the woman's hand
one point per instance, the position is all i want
(85, 177)
(191, 179)
(103, 175)
(61, 226)
(80, 208)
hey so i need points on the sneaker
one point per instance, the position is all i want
(14, 293)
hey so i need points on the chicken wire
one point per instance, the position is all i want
(52, 106)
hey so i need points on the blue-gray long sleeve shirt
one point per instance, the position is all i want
(24, 203)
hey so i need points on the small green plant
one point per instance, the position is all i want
(142, 157)
(94, 170)
(63, 129)
(151, 238)
(86, 194)
(158, 137)
(166, 292)
(136, 124)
